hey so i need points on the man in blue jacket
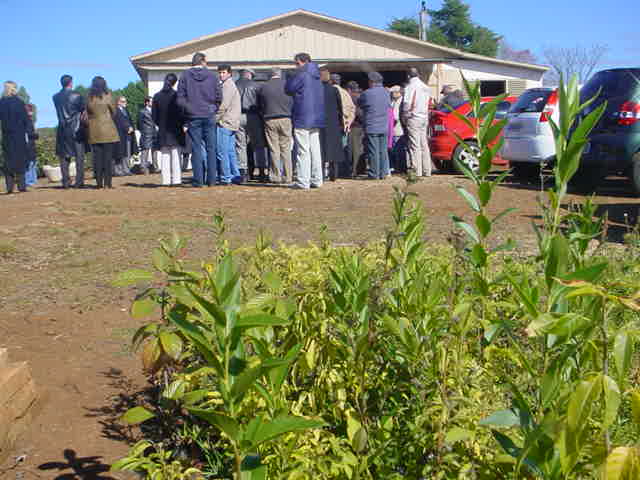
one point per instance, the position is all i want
(308, 118)
(199, 95)
(375, 104)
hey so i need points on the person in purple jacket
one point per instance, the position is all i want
(199, 95)
(374, 103)
(308, 117)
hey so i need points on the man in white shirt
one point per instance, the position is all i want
(415, 113)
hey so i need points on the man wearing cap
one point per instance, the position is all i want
(374, 103)
(348, 116)
(275, 106)
(452, 98)
(250, 136)
(415, 112)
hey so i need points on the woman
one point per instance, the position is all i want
(102, 131)
(15, 130)
(31, 176)
(166, 115)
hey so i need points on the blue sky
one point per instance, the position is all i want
(41, 39)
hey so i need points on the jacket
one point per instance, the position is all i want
(228, 115)
(199, 93)
(374, 103)
(147, 128)
(100, 111)
(248, 90)
(16, 128)
(274, 103)
(168, 118)
(348, 108)
(308, 97)
(396, 105)
(69, 106)
(416, 100)
(123, 124)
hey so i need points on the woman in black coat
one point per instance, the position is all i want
(168, 117)
(331, 134)
(16, 127)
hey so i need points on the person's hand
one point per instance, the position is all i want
(130, 130)
(185, 129)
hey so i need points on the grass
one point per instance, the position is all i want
(7, 249)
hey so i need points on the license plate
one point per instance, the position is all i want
(587, 148)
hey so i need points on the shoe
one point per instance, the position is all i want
(197, 186)
(315, 186)
(296, 186)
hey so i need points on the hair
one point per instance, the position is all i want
(353, 85)
(121, 97)
(413, 72)
(10, 89)
(170, 80)
(198, 58)
(336, 78)
(276, 72)
(98, 87)
(65, 80)
(29, 107)
(246, 73)
(302, 57)
(148, 100)
(324, 68)
(225, 67)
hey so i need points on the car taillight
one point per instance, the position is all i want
(549, 107)
(438, 124)
(628, 114)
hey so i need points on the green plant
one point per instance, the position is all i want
(155, 463)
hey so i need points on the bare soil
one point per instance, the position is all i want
(60, 250)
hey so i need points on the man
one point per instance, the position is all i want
(69, 142)
(147, 130)
(228, 123)
(348, 116)
(199, 95)
(250, 135)
(331, 134)
(452, 98)
(308, 118)
(127, 145)
(356, 134)
(415, 113)
(374, 103)
(275, 106)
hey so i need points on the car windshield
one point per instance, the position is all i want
(447, 109)
(613, 83)
(531, 101)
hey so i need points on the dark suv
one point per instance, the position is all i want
(614, 145)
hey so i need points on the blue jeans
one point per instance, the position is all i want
(378, 156)
(30, 176)
(226, 154)
(202, 132)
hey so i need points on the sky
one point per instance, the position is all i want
(43, 39)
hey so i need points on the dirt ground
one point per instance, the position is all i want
(60, 249)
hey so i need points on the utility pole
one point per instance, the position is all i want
(424, 22)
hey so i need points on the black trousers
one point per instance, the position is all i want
(64, 167)
(11, 178)
(102, 163)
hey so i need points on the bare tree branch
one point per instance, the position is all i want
(507, 52)
(580, 60)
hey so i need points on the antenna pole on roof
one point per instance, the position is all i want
(424, 21)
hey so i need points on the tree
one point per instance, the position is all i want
(507, 52)
(26, 98)
(580, 61)
(407, 26)
(135, 93)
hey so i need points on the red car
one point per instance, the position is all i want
(445, 150)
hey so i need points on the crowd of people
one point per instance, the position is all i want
(299, 130)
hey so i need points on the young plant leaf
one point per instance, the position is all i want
(136, 415)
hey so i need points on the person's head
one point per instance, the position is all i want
(412, 72)
(374, 79)
(335, 79)
(325, 74)
(66, 81)
(276, 72)
(224, 72)
(447, 89)
(353, 86)
(248, 73)
(199, 60)
(396, 92)
(170, 80)
(30, 109)
(98, 87)
(10, 89)
(148, 101)
(122, 102)
(302, 59)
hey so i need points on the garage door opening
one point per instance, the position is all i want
(390, 78)
(492, 88)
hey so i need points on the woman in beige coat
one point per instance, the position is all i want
(102, 131)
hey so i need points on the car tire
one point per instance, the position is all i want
(635, 172)
(462, 156)
(587, 180)
(525, 171)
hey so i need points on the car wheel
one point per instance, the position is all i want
(525, 170)
(635, 172)
(462, 156)
(586, 180)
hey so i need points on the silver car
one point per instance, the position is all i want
(528, 138)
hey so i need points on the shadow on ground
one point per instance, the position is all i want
(74, 467)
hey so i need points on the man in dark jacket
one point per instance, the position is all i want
(126, 147)
(147, 135)
(250, 137)
(69, 142)
(275, 106)
(375, 104)
(16, 127)
(308, 117)
(199, 95)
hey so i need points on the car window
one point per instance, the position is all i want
(503, 109)
(532, 101)
(446, 109)
(613, 83)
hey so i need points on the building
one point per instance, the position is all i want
(345, 47)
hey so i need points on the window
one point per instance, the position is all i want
(492, 88)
